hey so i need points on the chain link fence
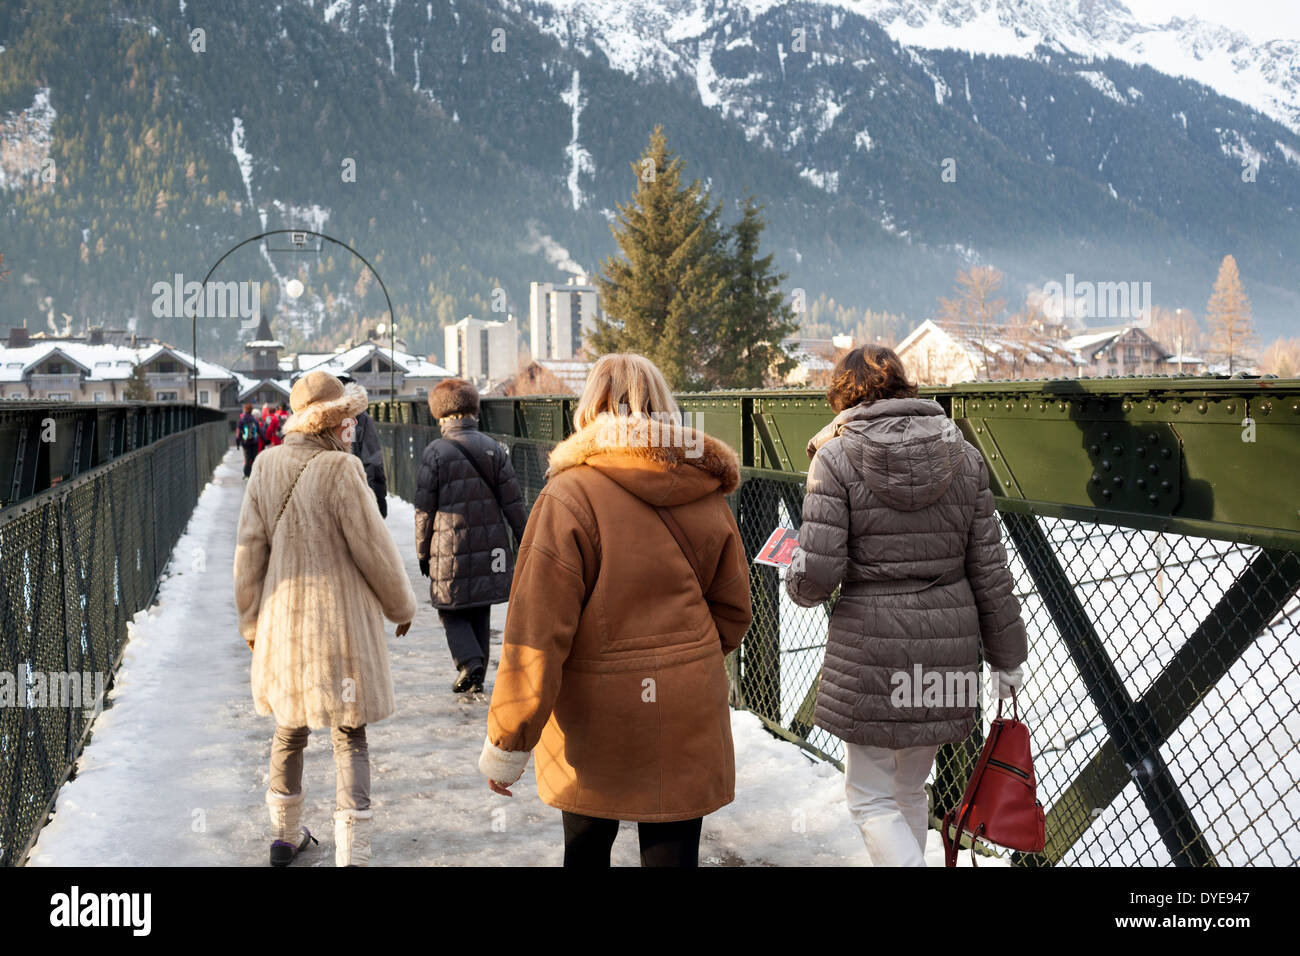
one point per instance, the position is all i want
(76, 564)
(1162, 684)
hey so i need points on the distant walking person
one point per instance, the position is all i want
(465, 495)
(631, 587)
(899, 515)
(316, 573)
(248, 437)
(365, 445)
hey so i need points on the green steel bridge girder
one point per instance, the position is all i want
(1213, 457)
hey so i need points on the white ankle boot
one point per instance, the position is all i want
(352, 837)
(288, 835)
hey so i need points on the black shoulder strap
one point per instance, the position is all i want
(474, 463)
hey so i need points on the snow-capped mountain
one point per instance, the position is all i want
(656, 36)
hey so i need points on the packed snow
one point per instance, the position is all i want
(176, 767)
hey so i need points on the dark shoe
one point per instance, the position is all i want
(283, 852)
(471, 674)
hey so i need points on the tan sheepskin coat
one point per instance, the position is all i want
(612, 660)
(312, 598)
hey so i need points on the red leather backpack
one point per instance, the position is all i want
(1000, 804)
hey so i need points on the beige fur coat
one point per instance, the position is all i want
(312, 595)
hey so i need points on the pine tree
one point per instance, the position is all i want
(665, 296)
(137, 387)
(1227, 315)
(749, 350)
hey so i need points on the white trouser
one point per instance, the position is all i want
(885, 790)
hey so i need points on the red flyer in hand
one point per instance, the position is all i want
(778, 551)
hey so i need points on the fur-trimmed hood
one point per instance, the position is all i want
(659, 462)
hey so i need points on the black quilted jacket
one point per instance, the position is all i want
(459, 526)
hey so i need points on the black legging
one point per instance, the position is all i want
(588, 841)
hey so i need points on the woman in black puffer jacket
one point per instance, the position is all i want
(465, 496)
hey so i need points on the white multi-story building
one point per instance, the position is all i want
(560, 317)
(481, 351)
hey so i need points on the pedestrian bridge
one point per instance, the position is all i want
(1152, 528)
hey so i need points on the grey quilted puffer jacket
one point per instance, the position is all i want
(898, 510)
(458, 525)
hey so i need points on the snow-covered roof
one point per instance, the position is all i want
(247, 386)
(99, 363)
(412, 366)
(998, 343)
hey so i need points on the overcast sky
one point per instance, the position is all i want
(1258, 19)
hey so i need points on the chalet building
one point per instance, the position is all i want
(1126, 350)
(383, 372)
(935, 354)
(96, 367)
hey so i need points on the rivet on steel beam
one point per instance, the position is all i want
(1105, 465)
(1141, 482)
(1154, 469)
(1106, 493)
(1166, 485)
(1201, 407)
(1154, 499)
(1126, 406)
(1151, 406)
(1265, 408)
(1230, 407)
(1105, 436)
(1096, 478)
(1118, 450)
(1119, 480)
(1152, 437)
(1165, 453)
(1177, 407)
(1095, 449)
(1141, 452)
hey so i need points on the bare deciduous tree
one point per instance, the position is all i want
(1227, 314)
(976, 305)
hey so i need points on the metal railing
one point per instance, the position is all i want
(77, 561)
(1153, 535)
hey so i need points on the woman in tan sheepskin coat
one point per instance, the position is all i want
(612, 658)
(316, 572)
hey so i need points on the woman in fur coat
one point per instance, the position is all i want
(316, 573)
(630, 588)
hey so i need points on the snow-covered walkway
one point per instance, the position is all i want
(176, 768)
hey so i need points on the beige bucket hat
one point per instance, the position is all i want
(320, 401)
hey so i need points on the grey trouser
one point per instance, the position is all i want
(468, 635)
(351, 764)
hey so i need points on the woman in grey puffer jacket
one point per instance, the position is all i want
(898, 512)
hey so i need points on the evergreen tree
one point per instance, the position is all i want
(749, 351)
(1227, 314)
(665, 296)
(137, 387)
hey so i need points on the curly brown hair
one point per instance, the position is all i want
(867, 374)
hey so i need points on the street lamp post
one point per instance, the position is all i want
(194, 318)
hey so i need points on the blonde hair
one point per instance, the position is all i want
(625, 383)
